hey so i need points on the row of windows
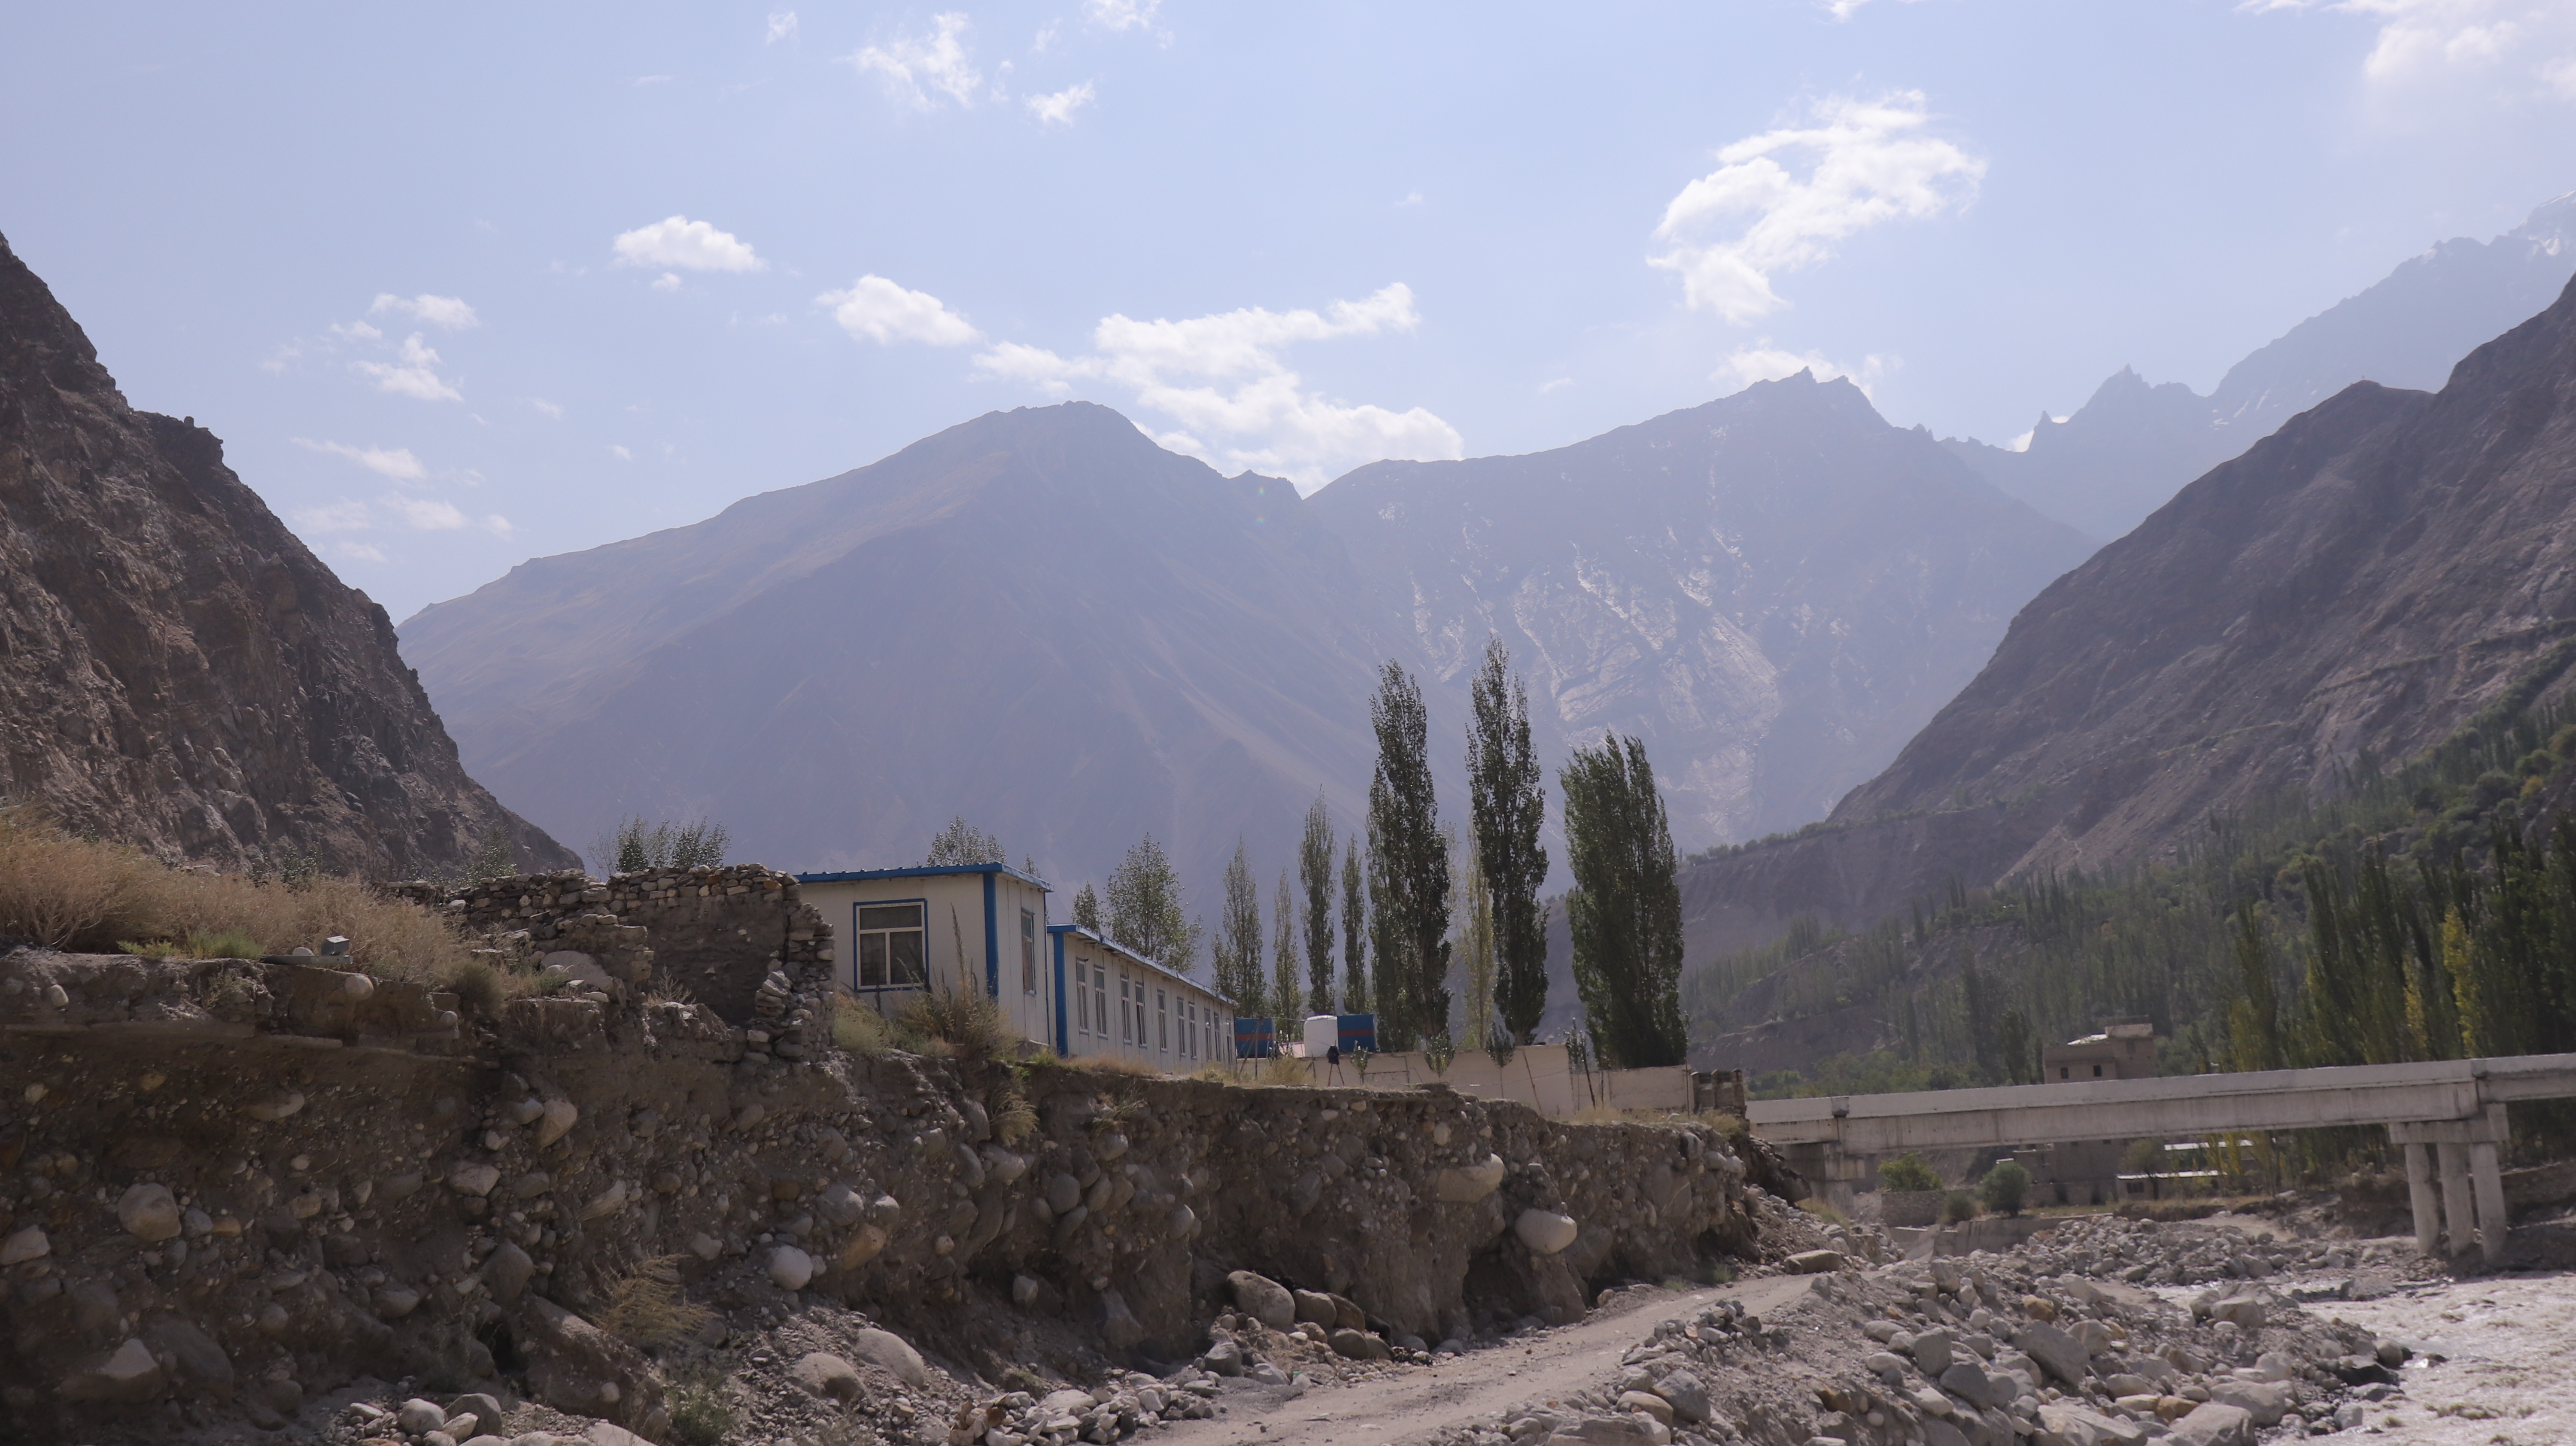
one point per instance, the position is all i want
(1147, 1017)
(891, 953)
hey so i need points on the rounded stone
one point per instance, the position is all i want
(790, 1268)
(1545, 1232)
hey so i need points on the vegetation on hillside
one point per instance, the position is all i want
(2425, 911)
(1625, 911)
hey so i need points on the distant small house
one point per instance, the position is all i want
(1117, 1002)
(977, 928)
(2125, 1049)
(984, 928)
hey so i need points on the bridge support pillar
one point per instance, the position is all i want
(2419, 1194)
(2472, 1183)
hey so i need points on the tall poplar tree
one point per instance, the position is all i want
(1238, 938)
(1625, 909)
(1315, 873)
(1355, 973)
(1408, 868)
(1285, 992)
(1508, 804)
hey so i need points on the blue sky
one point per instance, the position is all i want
(471, 283)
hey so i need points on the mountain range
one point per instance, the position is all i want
(2132, 445)
(177, 670)
(1043, 621)
(2344, 595)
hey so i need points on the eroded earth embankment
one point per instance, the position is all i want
(238, 1196)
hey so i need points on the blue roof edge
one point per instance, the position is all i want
(923, 871)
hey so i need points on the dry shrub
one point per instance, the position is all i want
(861, 1029)
(1013, 1119)
(89, 896)
(644, 1306)
(1114, 1064)
(969, 1024)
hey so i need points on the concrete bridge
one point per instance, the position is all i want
(2448, 1114)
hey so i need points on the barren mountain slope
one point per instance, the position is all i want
(1038, 619)
(1774, 589)
(2356, 586)
(176, 669)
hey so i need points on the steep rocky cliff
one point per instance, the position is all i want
(176, 669)
(2349, 591)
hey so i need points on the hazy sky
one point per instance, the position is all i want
(466, 284)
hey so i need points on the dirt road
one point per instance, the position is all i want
(1409, 1403)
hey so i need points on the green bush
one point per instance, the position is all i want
(2005, 1187)
(1958, 1208)
(1908, 1172)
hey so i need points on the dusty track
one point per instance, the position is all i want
(1393, 1408)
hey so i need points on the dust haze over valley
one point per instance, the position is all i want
(620, 633)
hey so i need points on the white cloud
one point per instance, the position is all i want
(2427, 41)
(1221, 377)
(676, 243)
(1120, 14)
(497, 525)
(334, 517)
(875, 309)
(782, 26)
(667, 281)
(553, 410)
(413, 377)
(395, 462)
(428, 513)
(1058, 109)
(644, 80)
(1868, 162)
(620, 453)
(1844, 9)
(1046, 35)
(1558, 384)
(1762, 362)
(357, 331)
(916, 66)
(358, 552)
(448, 313)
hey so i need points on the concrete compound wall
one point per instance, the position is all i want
(1539, 1075)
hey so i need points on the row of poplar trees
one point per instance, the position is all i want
(1399, 894)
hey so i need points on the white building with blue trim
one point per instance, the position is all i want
(985, 927)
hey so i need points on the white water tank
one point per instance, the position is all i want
(1323, 1032)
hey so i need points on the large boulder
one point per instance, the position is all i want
(1263, 1299)
(2062, 1424)
(2062, 1355)
(2266, 1401)
(1467, 1184)
(1545, 1232)
(893, 1354)
(2214, 1423)
(828, 1375)
(128, 1374)
(149, 1213)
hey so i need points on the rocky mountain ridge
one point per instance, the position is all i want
(176, 668)
(2348, 592)
(1087, 638)
(2131, 447)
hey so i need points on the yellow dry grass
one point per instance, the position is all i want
(90, 896)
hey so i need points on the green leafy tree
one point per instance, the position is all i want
(1625, 909)
(1315, 873)
(1355, 973)
(1285, 992)
(1237, 948)
(1508, 804)
(1408, 868)
(1145, 912)
(1086, 907)
(1908, 1172)
(963, 843)
(2005, 1187)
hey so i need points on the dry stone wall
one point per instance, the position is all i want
(737, 938)
(227, 1188)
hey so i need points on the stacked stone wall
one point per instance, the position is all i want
(738, 938)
